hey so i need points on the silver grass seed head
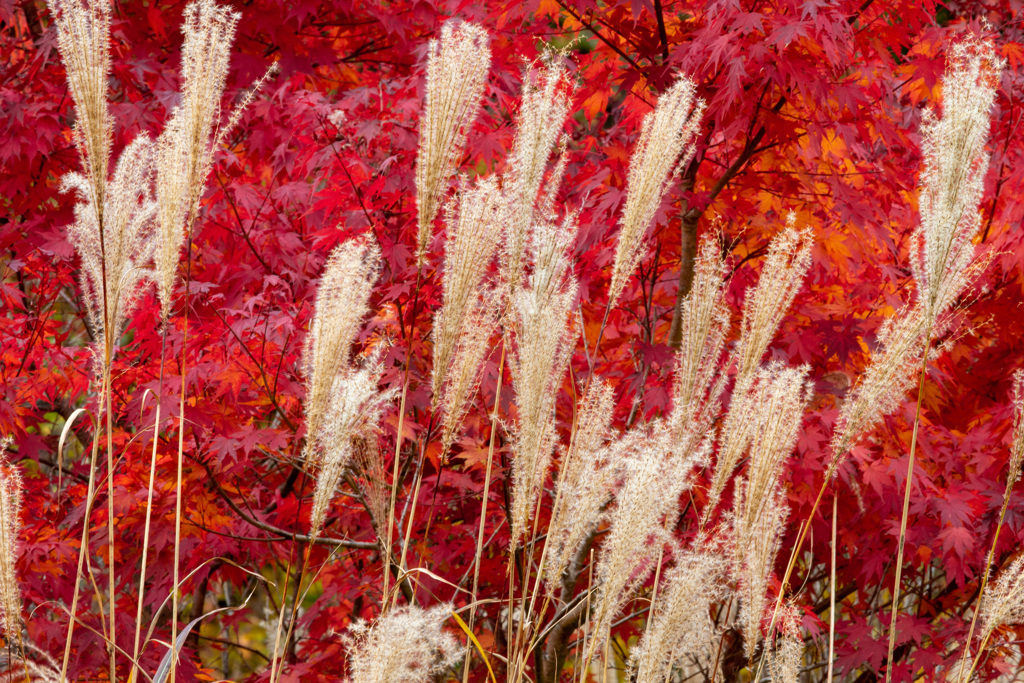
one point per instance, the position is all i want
(777, 406)
(10, 530)
(766, 304)
(698, 381)
(953, 175)
(759, 559)
(185, 149)
(889, 376)
(545, 103)
(353, 416)
(1017, 444)
(1003, 605)
(589, 470)
(666, 144)
(406, 645)
(656, 473)
(120, 248)
(542, 335)
(474, 221)
(472, 348)
(787, 655)
(681, 626)
(457, 66)
(83, 38)
(342, 302)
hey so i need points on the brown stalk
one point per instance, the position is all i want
(149, 508)
(906, 508)
(483, 512)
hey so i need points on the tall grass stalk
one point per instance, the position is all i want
(906, 512)
(149, 508)
(483, 512)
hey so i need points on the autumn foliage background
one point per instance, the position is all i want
(813, 108)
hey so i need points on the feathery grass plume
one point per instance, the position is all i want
(657, 472)
(120, 245)
(406, 645)
(184, 151)
(545, 103)
(681, 624)
(665, 145)
(787, 656)
(777, 405)
(353, 413)
(894, 364)
(83, 37)
(10, 528)
(789, 256)
(42, 668)
(368, 461)
(1004, 604)
(457, 66)
(342, 301)
(1017, 446)
(953, 175)
(474, 229)
(542, 336)
(756, 568)
(705, 323)
(471, 349)
(587, 476)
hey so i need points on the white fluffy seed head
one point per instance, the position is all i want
(457, 66)
(406, 645)
(776, 405)
(474, 229)
(184, 151)
(588, 472)
(541, 335)
(342, 302)
(953, 175)
(891, 373)
(83, 37)
(789, 257)
(472, 348)
(545, 103)
(756, 567)
(705, 325)
(681, 625)
(666, 144)
(115, 243)
(656, 472)
(1003, 604)
(352, 417)
(10, 529)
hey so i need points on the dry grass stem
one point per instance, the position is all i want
(457, 66)
(665, 145)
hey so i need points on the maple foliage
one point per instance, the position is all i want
(813, 108)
